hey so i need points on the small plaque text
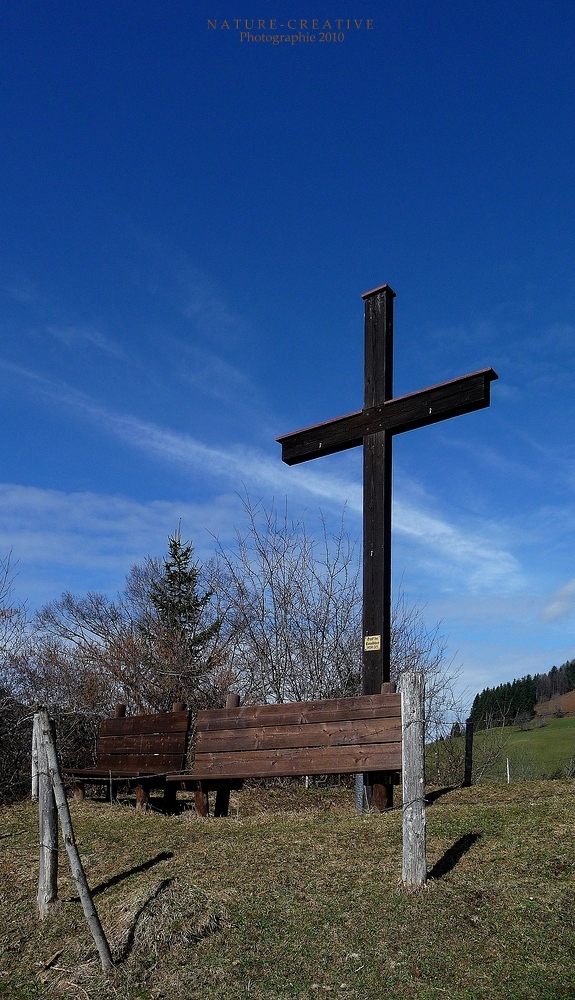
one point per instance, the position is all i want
(372, 642)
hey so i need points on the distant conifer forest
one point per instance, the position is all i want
(505, 704)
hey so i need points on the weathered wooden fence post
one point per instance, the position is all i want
(35, 758)
(48, 745)
(47, 829)
(468, 753)
(414, 869)
(359, 792)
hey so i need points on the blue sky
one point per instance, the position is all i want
(188, 222)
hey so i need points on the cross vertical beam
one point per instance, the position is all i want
(377, 472)
(382, 417)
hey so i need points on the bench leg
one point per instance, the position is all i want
(222, 805)
(202, 802)
(381, 797)
(141, 798)
(382, 783)
(79, 791)
(170, 796)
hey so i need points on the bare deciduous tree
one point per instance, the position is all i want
(15, 718)
(93, 651)
(291, 608)
(415, 647)
(291, 605)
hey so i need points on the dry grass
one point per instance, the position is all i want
(297, 896)
(564, 703)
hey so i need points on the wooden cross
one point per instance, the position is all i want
(374, 426)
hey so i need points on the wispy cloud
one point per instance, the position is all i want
(209, 311)
(484, 564)
(491, 457)
(237, 463)
(74, 336)
(478, 563)
(477, 559)
(217, 378)
(23, 291)
(88, 540)
(561, 604)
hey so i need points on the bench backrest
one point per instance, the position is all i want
(341, 736)
(152, 744)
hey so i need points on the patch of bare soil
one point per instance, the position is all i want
(563, 703)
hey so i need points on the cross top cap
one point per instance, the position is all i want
(375, 291)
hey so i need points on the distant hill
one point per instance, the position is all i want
(510, 702)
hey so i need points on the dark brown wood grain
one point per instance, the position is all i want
(377, 471)
(320, 734)
(374, 427)
(164, 722)
(328, 760)
(377, 500)
(342, 735)
(202, 802)
(381, 797)
(143, 743)
(404, 413)
(139, 746)
(338, 736)
(300, 713)
(139, 763)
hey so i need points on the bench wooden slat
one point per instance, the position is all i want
(374, 706)
(314, 734)
(140, 762)
(164, 722)
(142, 743)
(101, 775)
(267, 763)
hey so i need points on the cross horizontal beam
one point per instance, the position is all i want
(404, 413)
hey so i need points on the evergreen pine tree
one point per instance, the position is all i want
(179, 607)
(180, 636)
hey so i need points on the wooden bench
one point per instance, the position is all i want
(138, 749)
(340, 736)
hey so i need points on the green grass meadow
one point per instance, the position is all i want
(546, 749)
(540, 751)
(296, 895)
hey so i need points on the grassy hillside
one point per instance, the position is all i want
(538, 752)
(546, 749)
(297, 896)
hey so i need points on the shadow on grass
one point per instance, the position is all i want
(129, 942)
(453, 854)
(430, 797)
(210, 926)
(116, 879)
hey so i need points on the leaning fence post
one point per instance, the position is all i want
(48, 744)
(414, 869)
(47, 829)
